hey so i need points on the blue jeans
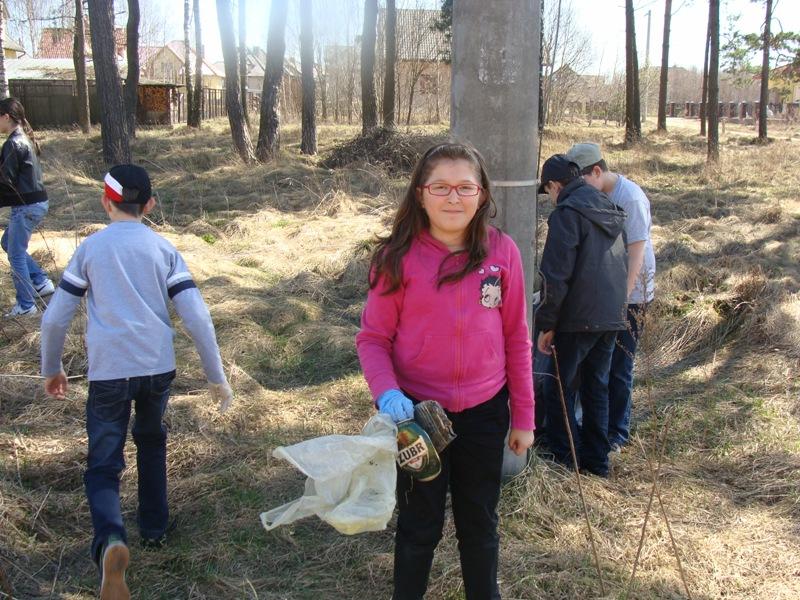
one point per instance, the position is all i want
(584, 360)
(108, 411)
(620, 380)
(25, 272)
(542, 385)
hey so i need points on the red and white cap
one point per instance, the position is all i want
(113, 188)
(129, 184)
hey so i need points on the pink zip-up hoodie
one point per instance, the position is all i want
(458, 344)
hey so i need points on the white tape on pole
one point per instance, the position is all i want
(517, 183)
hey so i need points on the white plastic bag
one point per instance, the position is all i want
(351, 479)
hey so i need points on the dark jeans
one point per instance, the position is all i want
(584, 360)
(108, 411)
(471, 467)
(620, 380)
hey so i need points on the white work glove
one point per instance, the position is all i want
(222, 393)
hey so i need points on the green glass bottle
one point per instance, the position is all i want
(415, 452)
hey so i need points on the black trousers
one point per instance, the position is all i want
(471, 467)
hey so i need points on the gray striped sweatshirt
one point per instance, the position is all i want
(130, 273)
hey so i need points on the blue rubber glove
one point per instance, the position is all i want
(397, 405)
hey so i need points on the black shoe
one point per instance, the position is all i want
(587, 471)
(159, 542)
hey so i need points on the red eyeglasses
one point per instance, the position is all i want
(444, 189)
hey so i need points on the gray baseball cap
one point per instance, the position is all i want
(585, 154)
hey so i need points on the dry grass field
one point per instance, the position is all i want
(280, 252)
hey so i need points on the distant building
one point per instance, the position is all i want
(422, 70)
(56, 42)
(167, 65)
(11, 49)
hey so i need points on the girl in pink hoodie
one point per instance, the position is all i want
(445, 320)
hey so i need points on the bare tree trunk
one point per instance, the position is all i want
(633, 119)
(187, 63)
(233, 103)
(132, 77)
(391, 58)
(243, 56)
(369, 115)
(308, 145)
(114, 128)
(704, 92)
(33, 27)
(79, 60)
(351, 90)
(713, 82)
(322, 77)
(662, 84)
(548, 93)
(438, 83)
(336, 102)
(3, 78)
(268, 130)
(540, 115)
(196, 116)
(764, 96)
(415, 75)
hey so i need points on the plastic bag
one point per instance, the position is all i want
(351, 479)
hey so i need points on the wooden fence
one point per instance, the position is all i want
(54, 103)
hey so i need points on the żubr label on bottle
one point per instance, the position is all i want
(416, 454)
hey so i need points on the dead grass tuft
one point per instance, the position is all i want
(394, 151)
(770, 215)
(782, 325)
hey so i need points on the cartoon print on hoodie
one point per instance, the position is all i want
(491, 296)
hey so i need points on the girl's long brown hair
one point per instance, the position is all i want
(14, 109)
(410, 220)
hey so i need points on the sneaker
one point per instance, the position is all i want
(115, 561)
(616, 448)
(18, 311)
(45, 288)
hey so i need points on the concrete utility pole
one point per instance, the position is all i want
(647, 69)
(495, 99)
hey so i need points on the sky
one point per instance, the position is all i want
(604, 20)
(688, 27)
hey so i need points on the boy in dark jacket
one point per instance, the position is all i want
(584, 268)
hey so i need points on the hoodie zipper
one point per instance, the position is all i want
(457, 341)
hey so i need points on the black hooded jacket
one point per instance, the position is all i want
(20, 172)
(584, 263)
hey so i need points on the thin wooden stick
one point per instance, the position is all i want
(58, 570)
(23, 376)
(642, 319)
(669, 527)
(653, 490)
(577, 471)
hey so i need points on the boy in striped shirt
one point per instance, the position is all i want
(128, 273)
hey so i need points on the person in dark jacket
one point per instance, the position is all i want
(22, 189)
(584, 269)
